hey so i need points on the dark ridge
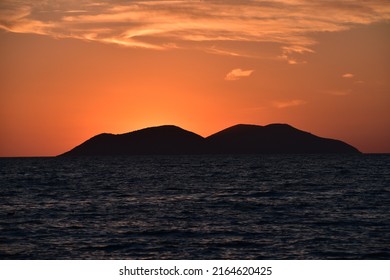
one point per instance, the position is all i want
(273, 138)
(238, 139)
(167, 139)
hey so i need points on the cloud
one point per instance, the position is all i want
(290, 24)
(16, 20)
(237, 74)
(348, 75)
(289, 103)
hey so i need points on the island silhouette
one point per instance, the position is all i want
(238, 139)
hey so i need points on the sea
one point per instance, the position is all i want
(295, 207)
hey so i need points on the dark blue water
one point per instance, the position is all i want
(196, 207)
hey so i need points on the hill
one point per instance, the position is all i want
(167, 139)
(238, 139)
(273, 138)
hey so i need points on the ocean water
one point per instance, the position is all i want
(196, 207)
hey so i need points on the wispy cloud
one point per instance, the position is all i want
(348, 75)
(17, 20)
(237, 74)
(163, 24)
(288, 103)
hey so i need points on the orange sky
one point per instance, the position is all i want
(73, 69)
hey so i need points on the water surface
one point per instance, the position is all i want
(196, 207)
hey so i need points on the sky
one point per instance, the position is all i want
(72, 69)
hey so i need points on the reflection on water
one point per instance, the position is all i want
(196, 207)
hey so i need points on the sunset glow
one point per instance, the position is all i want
(72, 69)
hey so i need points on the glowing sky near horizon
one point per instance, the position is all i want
(73, 69)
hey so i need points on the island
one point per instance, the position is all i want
(238, 139)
